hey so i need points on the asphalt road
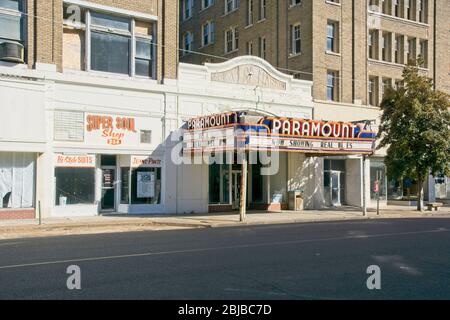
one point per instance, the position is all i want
(303, 261)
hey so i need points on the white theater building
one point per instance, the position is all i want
(89, 144)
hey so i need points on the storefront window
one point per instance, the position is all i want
(219, 184)
(442, 187)
(214, 184)
(75, 186)
(125, 186)
(257, 184)
(377, 177)
(17, 174)
(146, 186)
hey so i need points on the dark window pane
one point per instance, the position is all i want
(110, 22)
(257, 184)
(143, 68)
(108, 160)
(110, 53)
(214, 184)
(75, 185)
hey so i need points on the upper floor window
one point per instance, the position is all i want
(107, 43)
(188, 40)
(373, 44)
(423, 10)
(262, 9)
(332, 85)
(296, 39)
(295, 2)
(249, 12)
(231, 5)
(188, 6)
(231, 40)
(208, 33)
(332, 36)
(13, 23)
(263, 47)
(207, 3)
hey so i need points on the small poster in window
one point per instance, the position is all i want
(145, 185)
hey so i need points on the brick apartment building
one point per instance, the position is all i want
(351, 50)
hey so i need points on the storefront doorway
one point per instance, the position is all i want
(334, 182)
(109, 175)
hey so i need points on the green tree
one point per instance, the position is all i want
(415, 128)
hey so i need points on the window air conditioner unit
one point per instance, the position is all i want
(12, 52)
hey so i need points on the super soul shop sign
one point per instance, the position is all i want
(111, 130)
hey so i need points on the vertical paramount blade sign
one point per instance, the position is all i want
(113, 131)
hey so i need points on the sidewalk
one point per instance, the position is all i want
(16, 229)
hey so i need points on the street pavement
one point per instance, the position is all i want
(295, 261)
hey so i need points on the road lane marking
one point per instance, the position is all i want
(9, 244)
(199, 250)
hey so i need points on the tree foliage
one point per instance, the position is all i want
(415, 128)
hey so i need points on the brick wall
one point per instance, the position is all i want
(17, 214)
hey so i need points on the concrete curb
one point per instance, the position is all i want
(76, 228)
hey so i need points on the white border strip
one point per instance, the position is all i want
(99, 7)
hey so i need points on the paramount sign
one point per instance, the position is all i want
(232, 132)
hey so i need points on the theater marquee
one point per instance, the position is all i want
(235, 132)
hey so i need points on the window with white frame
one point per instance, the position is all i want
(296, 39)
(249, 12)
(13, 21)
(188, 39)
(262, 47)
(332, 36)
(108, 43)
(207, 3)
(187, 6)
(231, 5)
(207, 33)
(332, 85)
(231, 40)
(262, 9)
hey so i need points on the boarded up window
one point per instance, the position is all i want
(143, 28)
(69, 126)
(73, 49)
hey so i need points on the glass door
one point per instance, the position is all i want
(333, 188)
(336, 189)
(108, 202)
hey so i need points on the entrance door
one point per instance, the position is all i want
(336, 189)
(333, 189)
(108, 189)
(236, 189)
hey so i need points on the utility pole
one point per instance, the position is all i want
(363, 172)
(243, 204)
